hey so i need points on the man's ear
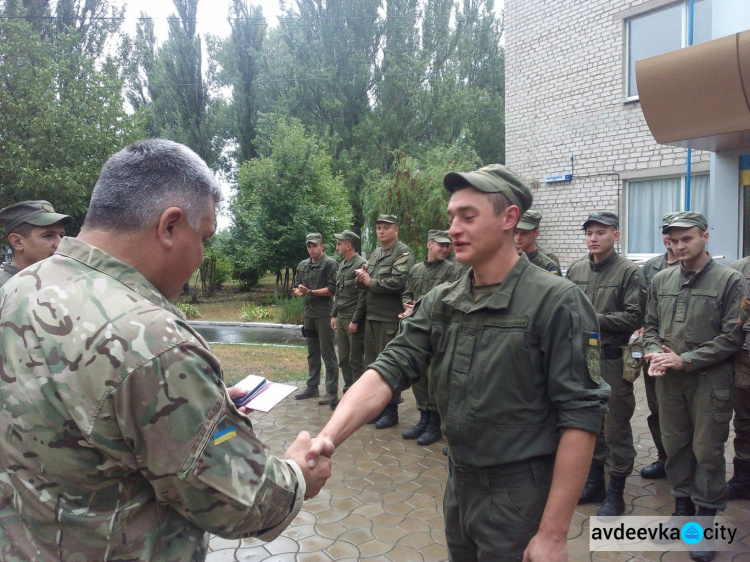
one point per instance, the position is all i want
(170, 219)
(512, 215)
(15, 241)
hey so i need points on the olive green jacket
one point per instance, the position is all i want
(349, 300)
(615, 288)
(742, 363)
(654, 266)
(388, 271)
(509, 372)
(9, 270)
(118, 440)
(542, 260)
(426, 276)
(696, 315)
(317, 276)
(550, 255)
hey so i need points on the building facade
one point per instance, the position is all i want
(576, 132)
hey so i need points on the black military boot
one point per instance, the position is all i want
(432, 434)
(594, 490)
(739, 484)
(419, 429)
(389, 418)
(614, 503)
(705, 555)
(683, 507)
(655, 470)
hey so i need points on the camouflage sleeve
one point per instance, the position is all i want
(199, 453)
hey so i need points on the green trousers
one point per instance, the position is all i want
(653, 417)
(377, 336)
(741, 404)
(694, 411)
(320, 343)
(351, 348)
(614, 445)
(491, 514)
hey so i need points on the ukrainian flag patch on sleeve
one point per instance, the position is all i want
(225, 435)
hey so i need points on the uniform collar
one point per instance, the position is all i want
(691, 277)
(101, 261)
(462, 298)
(603, 264)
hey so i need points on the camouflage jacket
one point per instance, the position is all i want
(117, 437)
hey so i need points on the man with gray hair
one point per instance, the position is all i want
(118, 438)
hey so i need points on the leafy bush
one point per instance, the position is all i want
(188, 309)
(256, 313)
(291, 311)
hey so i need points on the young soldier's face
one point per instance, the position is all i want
(600, 239)
(315, 250)
(475, 229)
(341, 247)
(688, 244)
(526, 239)
(39, 245)
(387, 233)
(437, 251)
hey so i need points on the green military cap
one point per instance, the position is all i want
(387, 218)
(439, 236)
(349, 236)
(36, 213)
(530, 220)
(314, 237)
(665, 220)
(603, 217)
(687, 219)
(494, 178)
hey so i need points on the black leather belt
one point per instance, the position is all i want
(611, 352)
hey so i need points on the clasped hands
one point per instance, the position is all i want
(661, 361)
(301, 290)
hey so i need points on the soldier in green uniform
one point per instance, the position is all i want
(653, 266)
(384, 279)
(739, 484)
(614, 286)
(423, 277)
(118, 438)
(316, 283)
(692, 333)
(348, 312)
(527, 232)
(516, 376)
(34, 231)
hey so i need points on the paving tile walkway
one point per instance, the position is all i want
(384, 500)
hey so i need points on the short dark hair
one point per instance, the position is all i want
(499, 201)
(141, 181)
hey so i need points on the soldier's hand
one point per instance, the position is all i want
(315, 475)
(408, 309)
(546, 548)
(334, 323)
(362, 276)
(661, 362)
(638, 333)
(321, 448)
(353, 327)
(235, 392)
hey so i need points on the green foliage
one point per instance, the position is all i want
(256, 313)
(415, 193)
(291, 311)
(282, 195)
(61, 117)
(188, 309)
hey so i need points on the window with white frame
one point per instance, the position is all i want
(649, 200)
(663, 30)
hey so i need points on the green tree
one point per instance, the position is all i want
(56, 129)
(288, 191)
(414, 191)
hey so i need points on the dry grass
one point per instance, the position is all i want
(280, 364)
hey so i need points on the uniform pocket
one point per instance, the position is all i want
(721, 404)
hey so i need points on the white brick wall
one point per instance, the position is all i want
(565, 95)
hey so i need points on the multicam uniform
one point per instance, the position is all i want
(509, 373)
(696, 316)
(117, 437)
(317, 323)
(614, 286)
(422, 279)
(9, 270)
(349, 306)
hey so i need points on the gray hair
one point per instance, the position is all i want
(141, 181)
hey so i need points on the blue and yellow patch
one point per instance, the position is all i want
(744, 310)
(225, 435)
